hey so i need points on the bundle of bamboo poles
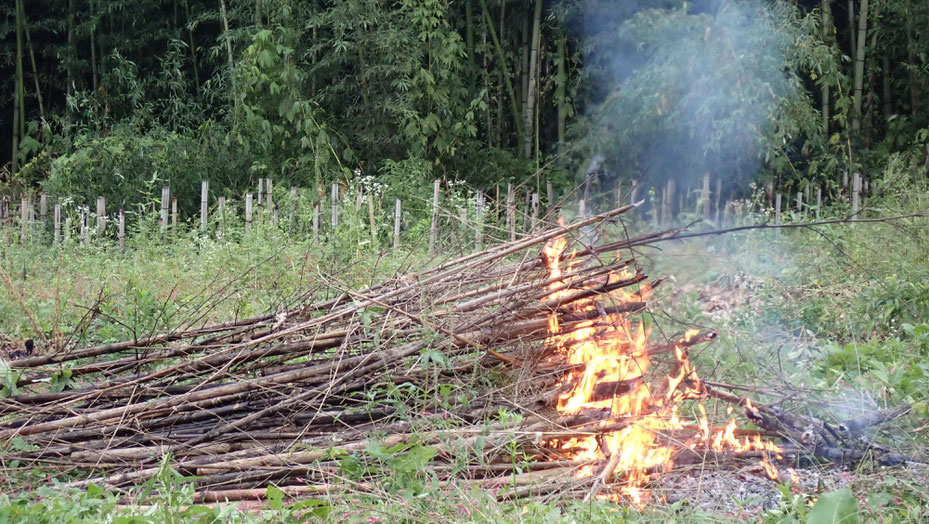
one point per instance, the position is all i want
(270, 399)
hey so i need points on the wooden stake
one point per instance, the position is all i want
(293, 209)
(23, 219)
(396, 225)
(270, 194)
(101, 216)
(204, 204)
(165, 199)
(511, 211)
(174, 214)
(550, 192)
(121, 233)
(535, 211)
(315, 223)
(248, 212)
(479, 219)
(371, 221)
(463, 224)
(43, 208)
(84, 214)
(856, 190)
(260, 200)
(777, 209)
(221, 208)
(57, 225)
(719, 192)
(335, 205)
(525, 213)
(819, 202)
(434, 227)
(705, 197)
(799, 201)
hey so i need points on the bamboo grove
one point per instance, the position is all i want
(117, 97)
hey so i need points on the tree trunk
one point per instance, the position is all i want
(500, 81)
(18, 87)
(469, 30)
(531, 93)
(887, 90)
(523, 46)
(501, 56)
(851, 28)
(222, 11)
(35, 70)
(911, 61)
(193, 46)
(561, 80)
(93, 51)
(859, 64)
(71, 53)
(827, 37)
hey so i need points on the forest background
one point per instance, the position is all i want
(116, 98)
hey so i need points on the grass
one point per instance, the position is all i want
(840, 312)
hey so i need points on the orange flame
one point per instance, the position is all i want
(609, 362)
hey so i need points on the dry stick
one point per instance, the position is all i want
(467, 262)
(434, 226)
(603, 476)
(677, 236)
(434, 327)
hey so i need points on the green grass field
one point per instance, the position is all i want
(839, 313)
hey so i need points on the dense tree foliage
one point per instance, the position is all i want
(115, 97)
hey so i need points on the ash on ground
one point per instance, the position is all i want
(747, 491)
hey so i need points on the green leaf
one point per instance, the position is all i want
(836, 507)
(275, 497)
(414, 460)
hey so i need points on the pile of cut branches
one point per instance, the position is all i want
(397, 373)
